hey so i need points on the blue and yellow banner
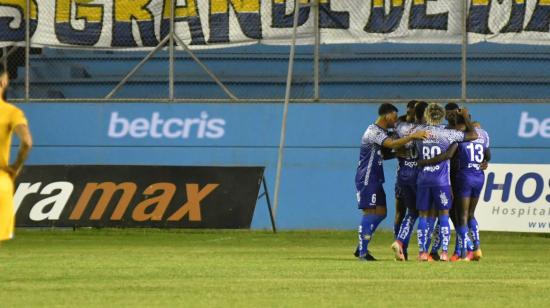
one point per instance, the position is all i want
(220, 23)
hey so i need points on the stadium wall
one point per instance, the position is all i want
(322, 146)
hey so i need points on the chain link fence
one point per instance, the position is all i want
(256, 70)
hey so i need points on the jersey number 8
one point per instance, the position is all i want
(430, 152)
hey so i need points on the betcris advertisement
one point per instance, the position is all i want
(320, 157)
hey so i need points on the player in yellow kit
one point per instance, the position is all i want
(12, 120)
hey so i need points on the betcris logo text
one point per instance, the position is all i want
(530, 127)
(157, 126)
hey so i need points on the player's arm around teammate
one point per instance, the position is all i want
(439, 158)
(470, 132)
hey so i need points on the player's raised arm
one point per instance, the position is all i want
(439, 158)
(470, 133)
(23, 133)
(397, 143)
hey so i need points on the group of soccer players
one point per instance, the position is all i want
(439, 177)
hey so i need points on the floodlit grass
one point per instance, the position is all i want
(149, 267)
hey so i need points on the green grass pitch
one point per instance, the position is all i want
(192, 268)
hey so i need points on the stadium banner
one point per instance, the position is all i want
(137, 196)
(221, 23)
(516, 197)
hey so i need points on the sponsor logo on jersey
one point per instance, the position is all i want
(431, 168)
(473, 166)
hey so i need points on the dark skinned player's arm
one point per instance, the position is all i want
(388, 154)
(397, 143)
(439, 158)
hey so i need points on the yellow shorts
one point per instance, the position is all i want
(7, 215)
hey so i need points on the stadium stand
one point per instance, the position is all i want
(259, 71)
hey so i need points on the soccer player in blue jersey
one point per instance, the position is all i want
(451, 110)
(406, 180)
(469, 179)
(404, 126)
(370, 174)
(433, 183)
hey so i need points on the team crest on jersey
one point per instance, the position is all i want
(443, 197)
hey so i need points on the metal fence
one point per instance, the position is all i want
(362, 72)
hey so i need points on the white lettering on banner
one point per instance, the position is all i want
(531, 127)
(41, 210)
(515, 197)
(130, 24)
(171, 128)
(59, 200)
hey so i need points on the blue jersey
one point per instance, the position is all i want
(406, 169)
(472, 153)
(439, 141)
(370, 169)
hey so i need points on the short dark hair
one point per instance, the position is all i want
(412, 103)
(451, 106)
(386, 108)
(419, 109)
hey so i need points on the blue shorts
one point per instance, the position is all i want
(371, 196)
(435, 196)
(407, 194)
(468, 186)
(397, 190)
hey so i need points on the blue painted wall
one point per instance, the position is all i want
(319, 161)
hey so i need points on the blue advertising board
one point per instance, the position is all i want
(322, 145)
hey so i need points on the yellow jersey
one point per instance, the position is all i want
(10, 117)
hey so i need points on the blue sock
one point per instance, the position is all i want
(469, 243)
(379, 219)
(436, 239)
(431, 225)
(445, 229)
(366, 229)
(406, 229)
(422, 234)
(396, 228)
(457, 242)
(474, 228)
(462, 239)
